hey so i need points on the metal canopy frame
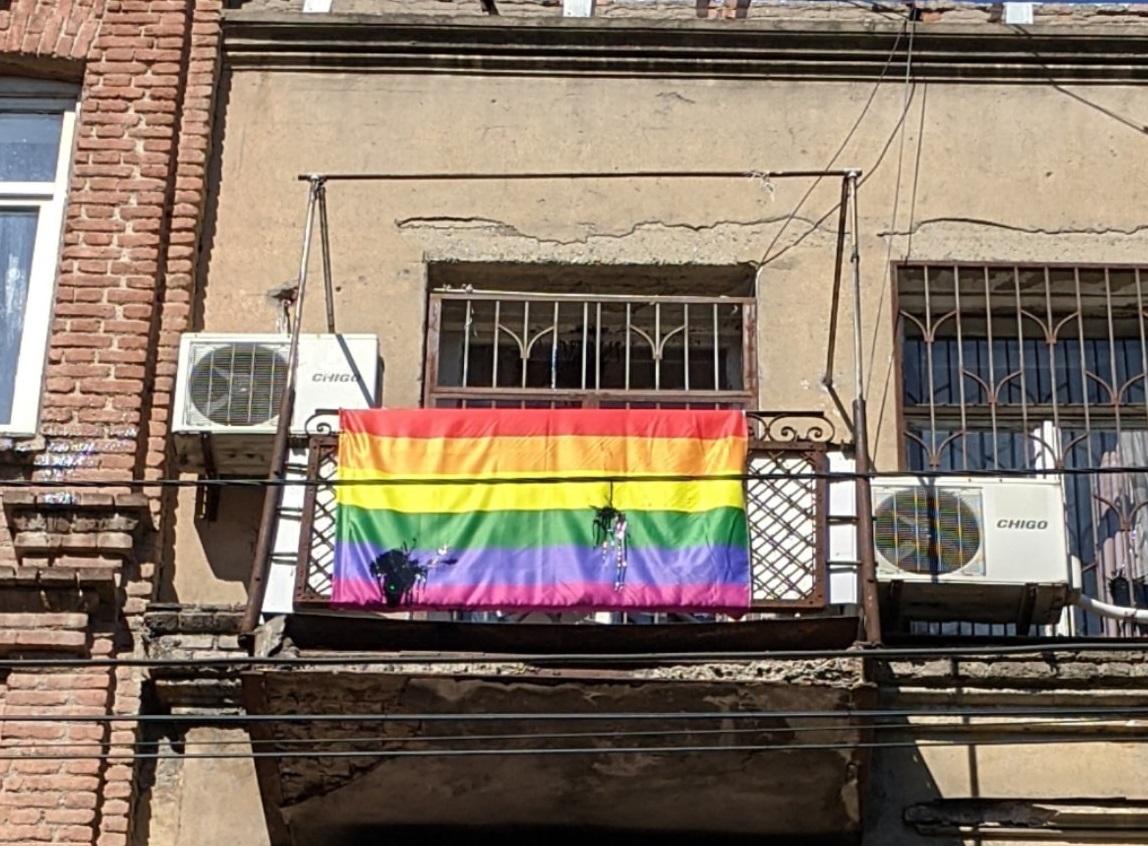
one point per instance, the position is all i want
(847, 228)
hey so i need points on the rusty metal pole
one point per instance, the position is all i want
(273, 494)
(325, 248)
(867, 571)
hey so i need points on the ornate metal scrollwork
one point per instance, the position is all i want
(791, 427)
(321, 422)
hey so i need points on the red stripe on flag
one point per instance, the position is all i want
(545, 422)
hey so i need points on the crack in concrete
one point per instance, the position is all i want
(995, 224)
(447, 222)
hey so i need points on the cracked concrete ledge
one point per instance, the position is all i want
(836, 672)
(984, 240)
(442, 238)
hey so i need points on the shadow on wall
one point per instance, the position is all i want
(899, 778)
(499, 836)
(229, 540)
(213, 563)
(211, 199)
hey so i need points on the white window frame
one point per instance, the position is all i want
(49, 199)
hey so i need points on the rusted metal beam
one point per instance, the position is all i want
(867, 569)
(261, 563)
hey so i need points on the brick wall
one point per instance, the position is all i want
(123, 295)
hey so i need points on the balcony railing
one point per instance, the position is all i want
(788, 517)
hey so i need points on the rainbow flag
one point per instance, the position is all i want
(561, 544)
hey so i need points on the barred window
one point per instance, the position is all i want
(1031, 368)
(602, 348)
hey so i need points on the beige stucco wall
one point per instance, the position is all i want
(202, 801)
(907, 777)
(981, 172)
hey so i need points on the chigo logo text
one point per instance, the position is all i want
(1005, 523)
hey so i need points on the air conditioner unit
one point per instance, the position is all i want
(229, 387)
(972, 549)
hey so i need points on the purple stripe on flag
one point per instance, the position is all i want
(707, 577)
(570, 596)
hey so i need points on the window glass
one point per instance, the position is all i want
(29, 146)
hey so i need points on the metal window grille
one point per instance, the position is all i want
(526, 350)
(1029, 368)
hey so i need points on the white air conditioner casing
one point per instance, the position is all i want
(972, 548)
(228, 389)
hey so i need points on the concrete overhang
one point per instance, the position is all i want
(802, 782)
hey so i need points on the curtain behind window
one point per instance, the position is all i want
(17, 235)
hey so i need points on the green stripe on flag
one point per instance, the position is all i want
(525, 529)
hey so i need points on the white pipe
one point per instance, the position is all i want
(1114, 612)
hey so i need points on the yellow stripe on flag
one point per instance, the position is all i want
(693, 496)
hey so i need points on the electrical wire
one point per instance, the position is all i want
(928, 728)
(582, 716)
(812, 475)
(322, 741)
(767, 255)
(840, 746)
(567, 658)
(867, 175)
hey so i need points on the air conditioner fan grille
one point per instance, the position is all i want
(238, 384)
(927, 530)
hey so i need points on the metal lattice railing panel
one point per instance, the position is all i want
(786, 528)
(316, 571)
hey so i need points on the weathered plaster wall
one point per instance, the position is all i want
(1030, 172)
(196, 801)
(1097, 773)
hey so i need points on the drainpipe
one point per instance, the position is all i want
(273, 494)
(1112, 612)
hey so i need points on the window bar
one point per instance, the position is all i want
(497, 341)
(1050, 342)
(1023, 365)
(1112, 373)
(934, 459)
(1083, 368)
(961, 373)
(1143, 339)
(1094, 505)
(657, 347)
(716, 344)
(524, 344)
(1141, 568)
(686, 349)
(627, 346)
(1125, 480)
(598, 348)
(554, 349)
(466, 344)
(992, 370)
(585, 339)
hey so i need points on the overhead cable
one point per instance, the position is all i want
(811, 475)
(567, 658)
(1019, 740)
(582, 716)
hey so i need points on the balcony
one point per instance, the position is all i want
(800, 529)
